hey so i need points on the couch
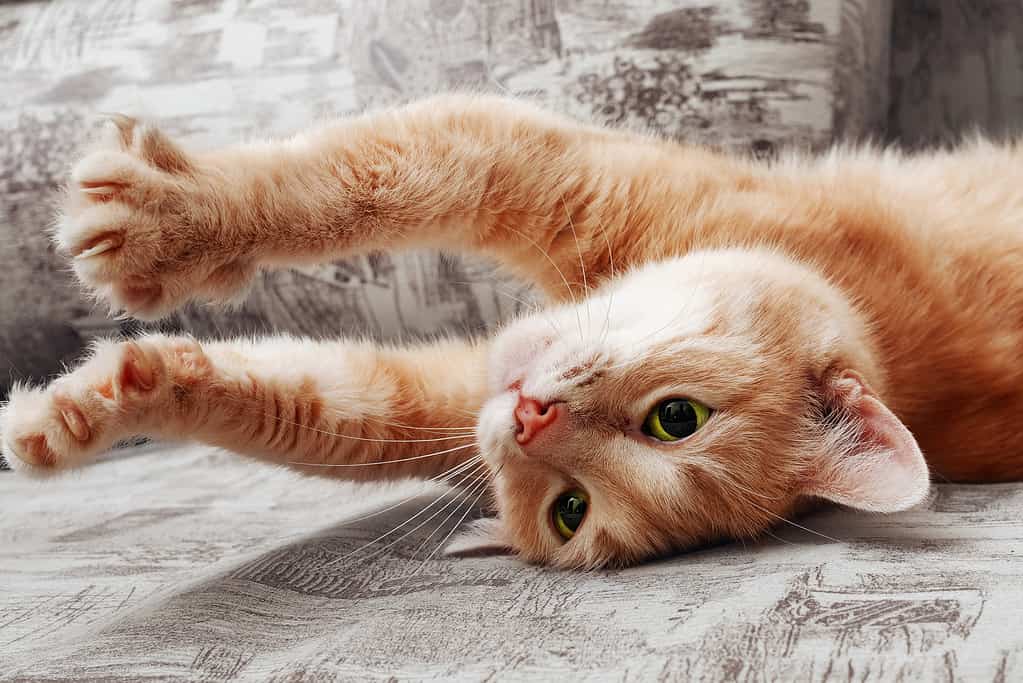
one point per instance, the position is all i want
(175, 562)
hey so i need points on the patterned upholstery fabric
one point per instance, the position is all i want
(192, 566)
(750, 75)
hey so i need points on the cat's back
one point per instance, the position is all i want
(932, 245)
(951, 221)
(970, 196)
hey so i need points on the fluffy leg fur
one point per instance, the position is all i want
(333, 408)
(151, 227)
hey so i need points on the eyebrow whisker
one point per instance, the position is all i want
(582, 264)
(571, 292)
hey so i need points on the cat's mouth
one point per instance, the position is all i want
(495, 429)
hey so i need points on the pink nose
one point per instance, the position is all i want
(531, 417)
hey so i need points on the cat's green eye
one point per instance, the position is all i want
(568, 512)
(675, 419)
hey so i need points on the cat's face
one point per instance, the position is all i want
(692, 400)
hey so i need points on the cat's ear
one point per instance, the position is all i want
(871, 460)
(483, 537)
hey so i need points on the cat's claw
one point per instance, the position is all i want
(100, 247)
(137, 220)
(45, 431)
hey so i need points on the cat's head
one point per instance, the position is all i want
(696, 399)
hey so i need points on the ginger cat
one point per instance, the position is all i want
(727, 341)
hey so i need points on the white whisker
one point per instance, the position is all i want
(611, 292)
(794, 524)
(446, 475)
(482, 476)
(382, 462)
(778, 538)
(564, 279)
(343, 556)
(729, 480)
(534, 308)
(444, 540)
(582, 264)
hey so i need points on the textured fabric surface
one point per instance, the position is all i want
(957, 67)
(181, 565)
(752, 75)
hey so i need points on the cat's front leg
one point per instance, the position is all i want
(345, 409)
(150, 227)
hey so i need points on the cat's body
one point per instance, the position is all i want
(815, 308)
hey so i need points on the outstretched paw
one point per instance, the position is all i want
(142, 223)
(116, 394)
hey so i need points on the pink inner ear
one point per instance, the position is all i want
(882, 468)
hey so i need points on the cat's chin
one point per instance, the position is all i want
(515, 351)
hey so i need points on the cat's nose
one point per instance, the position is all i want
(531, 417)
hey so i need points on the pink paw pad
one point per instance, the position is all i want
(34, 450)
(190, 363)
